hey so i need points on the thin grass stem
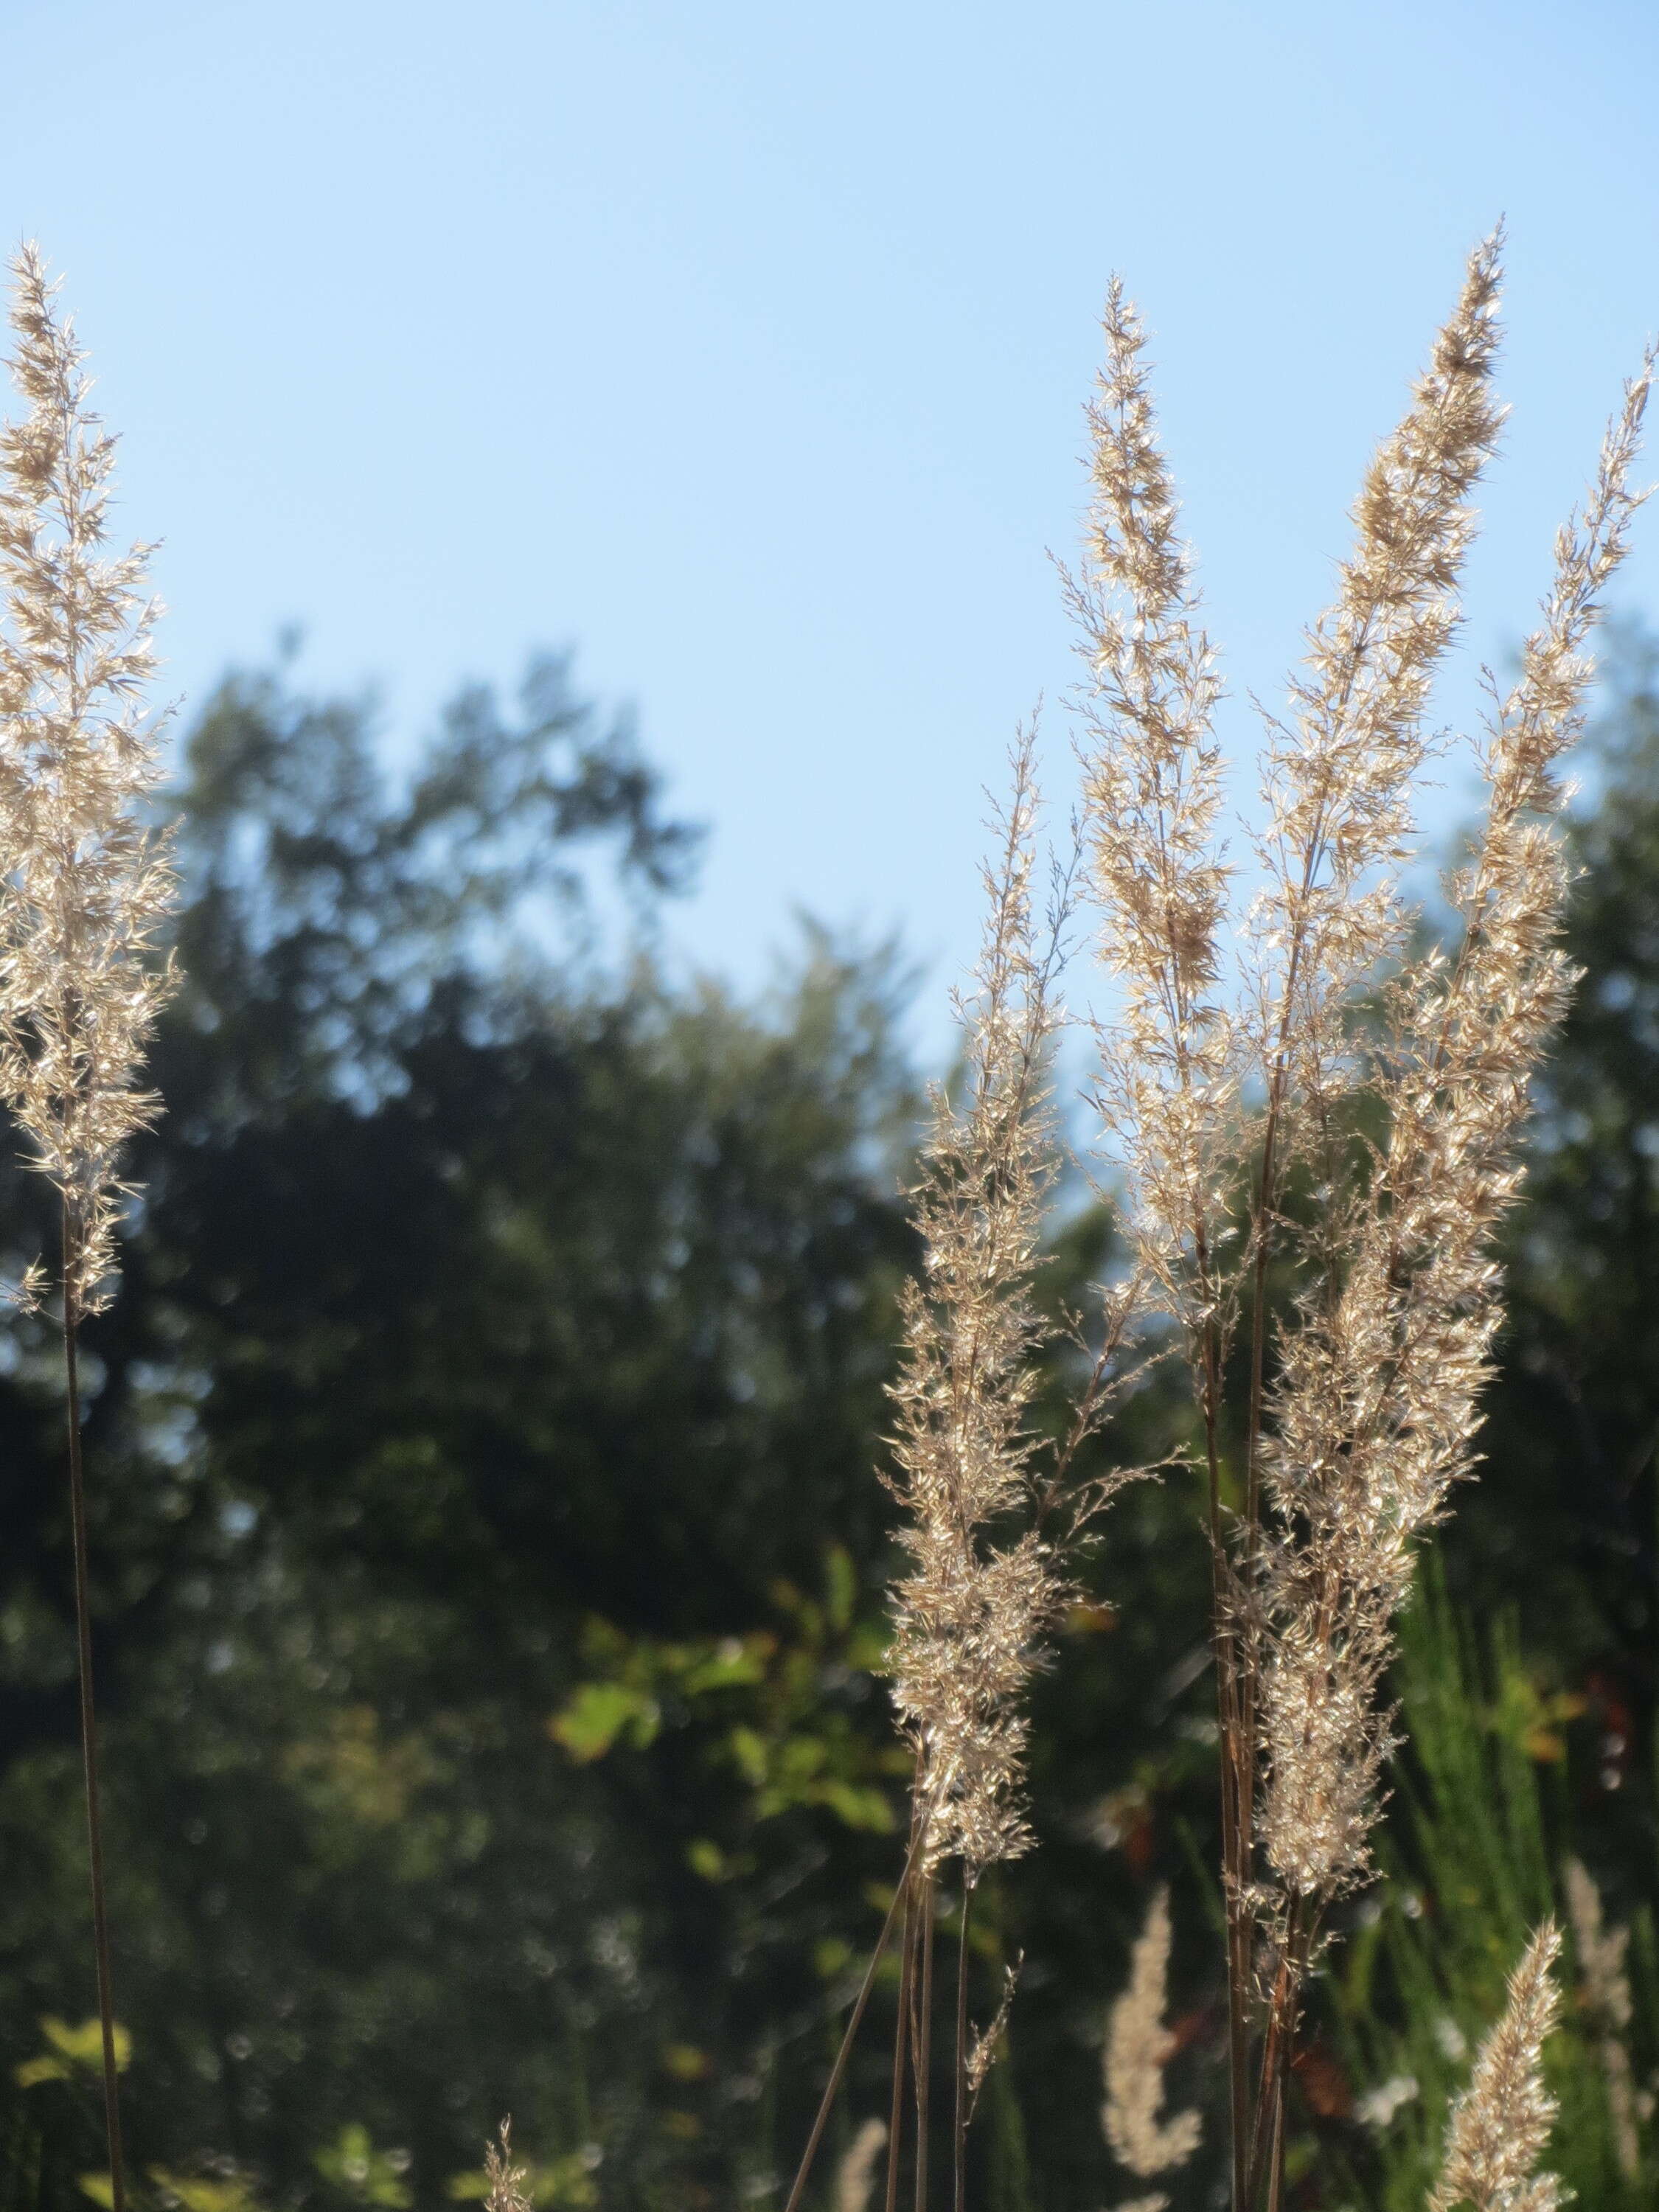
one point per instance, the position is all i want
(837, 2072)
(924, 2037)
(959, 2162)
(900, 2044)
(88, 1728)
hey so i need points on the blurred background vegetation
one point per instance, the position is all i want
(489, 1562)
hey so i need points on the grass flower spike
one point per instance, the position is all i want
(1338, 780)
(507, 2181)
(1501, 2123)
(1151, 790)
(1239, 1110)
(1139, 2046)
(87, 884)
(1377, 1402)
(989, 1510)
(971, 1610)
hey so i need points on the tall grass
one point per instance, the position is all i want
(1288, 1090)
(1363, 1399)
(86, 887)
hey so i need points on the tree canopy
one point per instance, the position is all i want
(487, 1552)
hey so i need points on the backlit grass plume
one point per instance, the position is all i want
(1152, 795)
(1170, 1060)
(507, 2181)
(1138, 2045)
(1339, 776)
(1238, 1057)
(984, 1580)
(1376, 1407)
(1501, 2123)
(1339, 783)
(986, 1506)
(970, 1611)
(87, 884)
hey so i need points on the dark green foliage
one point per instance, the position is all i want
(1485, 1817)
(489, 1562)
(474, 1301)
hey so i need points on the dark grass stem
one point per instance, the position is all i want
(924, 2035)
(89, 1729)
(1237, 1771)
(959, 2160)
(826, 2103)
(1268, 2143)
(901, 2045)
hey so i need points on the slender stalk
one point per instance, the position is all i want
(88, 1732)
(1237, 1768)
(900, 2038)
(1267, 2142)
(924, 2038)
(827, 2101)
(960, 2161)
(1276, 2170)
(1238, 1732)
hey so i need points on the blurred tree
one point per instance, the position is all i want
(486, 1313)
(488, 1559)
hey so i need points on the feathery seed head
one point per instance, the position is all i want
(973, 1606)
(1338, 780)
(507, 2188)
(1376, 1403)
(88, 885)
(1138, 2048)
(855, 2176)
(1364, 1400)
(1501, 2123)
(1152, 792)
(1600, 1951)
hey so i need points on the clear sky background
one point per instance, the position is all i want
(741, 346)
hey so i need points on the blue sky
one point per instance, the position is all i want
(741, 347)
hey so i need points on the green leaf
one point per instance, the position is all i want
(597, 1714)
(730, 1665)
(194, 2194)
(748, 1748)
(865, 1809)
(802, 1757)
(72, 2051)
(357, 2169)
(42, 2069)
